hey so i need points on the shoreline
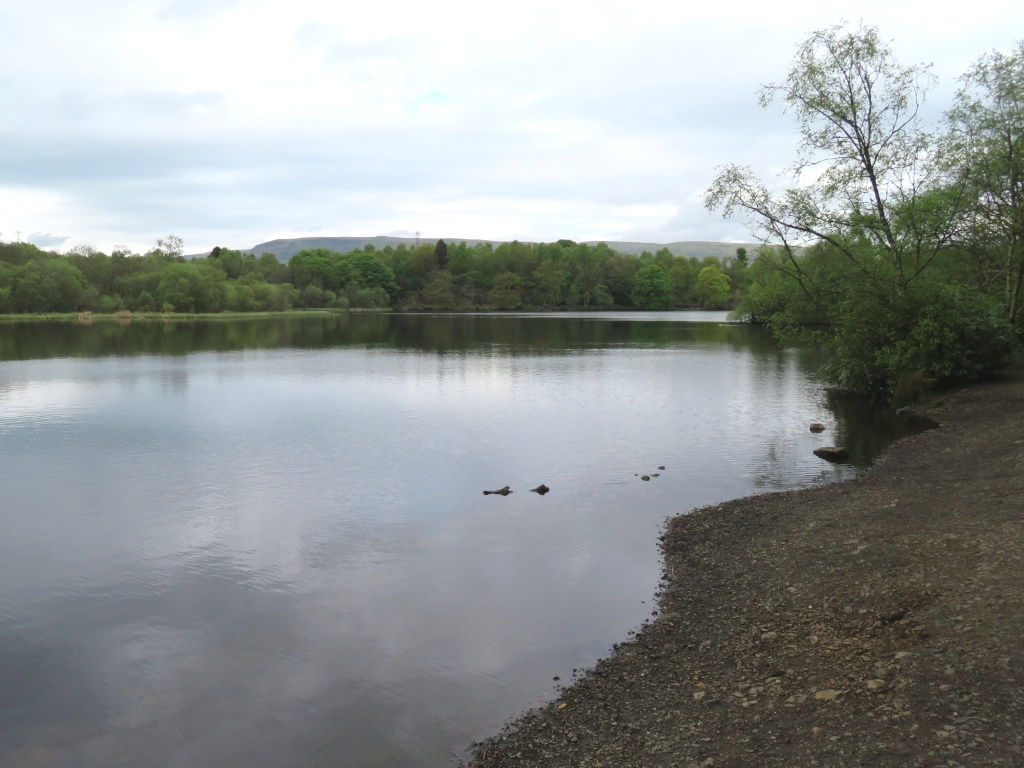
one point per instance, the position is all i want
(878, 621)
(86, 318)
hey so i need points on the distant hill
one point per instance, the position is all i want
(687, 248)
(284, 249)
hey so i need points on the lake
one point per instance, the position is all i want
(264, 542)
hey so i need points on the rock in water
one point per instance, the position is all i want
(500, 492)
(831, 453)
(541, 489)
(817, 426)
(645, 477)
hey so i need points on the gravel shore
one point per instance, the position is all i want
(878, 622)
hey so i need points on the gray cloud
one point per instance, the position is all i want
(232, 123)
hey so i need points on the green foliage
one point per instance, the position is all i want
(985, 147)
(441, 254)
(948, 332)
(506, 293)
(438, 293)
(515, 274)
(48, 285)
(879, 279)
(652, 289)
(619, 273)
(712, 287)
(373, 274)
(551, 280)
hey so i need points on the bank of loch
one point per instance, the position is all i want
(877, 622)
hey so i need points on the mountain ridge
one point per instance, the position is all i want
(285, 248)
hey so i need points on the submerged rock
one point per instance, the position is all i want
(831, 453)
(817, 426)
(500, 492)
(541, 489)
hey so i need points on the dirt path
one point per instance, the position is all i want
(878, 622)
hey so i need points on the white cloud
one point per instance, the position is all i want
(237, 121)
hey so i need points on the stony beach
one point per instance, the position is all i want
(878, 622)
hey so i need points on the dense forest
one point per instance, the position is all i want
(900, 246)
(428, 276)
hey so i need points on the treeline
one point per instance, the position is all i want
(429, 276)
(913, 235)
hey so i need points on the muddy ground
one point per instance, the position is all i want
(878, 622)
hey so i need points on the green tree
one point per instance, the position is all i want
(857, 112)
(986, 146)
(507, 292)
(871, 194)
(227, 260)
(441, 254)
(619, 273)
(681, 275)
(551, 279)
(372, 273)
(171, 247)
(47, 285)
(652, 289)
(422, 262)
(712, 287)
(437, 293)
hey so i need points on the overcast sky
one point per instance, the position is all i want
(232, 122)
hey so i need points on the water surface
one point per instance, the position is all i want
(264, 542)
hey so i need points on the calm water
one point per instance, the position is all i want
(264, 542)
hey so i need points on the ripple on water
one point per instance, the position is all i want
(284, 554)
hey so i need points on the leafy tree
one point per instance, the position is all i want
(423, 261)
(551, 279)
(437, 293)
(857, 112)
(712, 287)
(652, 289)
(272, 270)
(227, 260)
(507, 292)
(461, 259)
(48, 285)
(522, 257)
(372, 273)
(171, 247)
(441, 254)
(312, 296)
(986, 145)
(587, 288)
(681, 275)
(619, 272)
(190, 288)
(882, 209)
